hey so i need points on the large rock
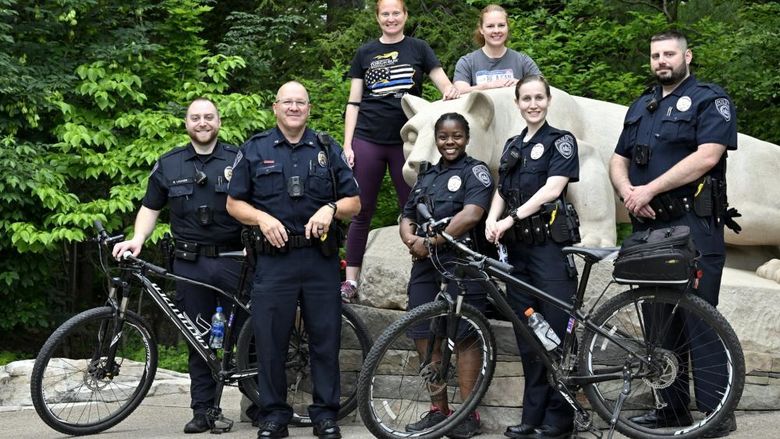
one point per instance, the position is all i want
(15, 384)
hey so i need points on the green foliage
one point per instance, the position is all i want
(9, 357)
(174, 358)
(108, 124)
(92, 92)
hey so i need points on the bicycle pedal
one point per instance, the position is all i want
(221, 425)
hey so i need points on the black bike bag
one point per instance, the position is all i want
(664, 256)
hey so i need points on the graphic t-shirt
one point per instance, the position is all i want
(389, 71)
(476, 68)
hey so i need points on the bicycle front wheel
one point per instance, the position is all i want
(396, 389)
(75, 389)
(693, 362)
(355, 344)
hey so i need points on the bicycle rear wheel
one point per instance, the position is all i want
(73, 387)
(394, 390)
(665, 327)
(355, 344)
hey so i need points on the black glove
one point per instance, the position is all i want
(728, 220)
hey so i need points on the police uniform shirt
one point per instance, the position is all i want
(266, 164)
(674, 126)
(449, 189)
(548, 153)
(173, 181)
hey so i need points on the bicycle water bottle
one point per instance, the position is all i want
(542, 329)
(217, 329)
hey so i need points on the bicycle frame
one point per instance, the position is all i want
(182, 322)
(482, 269)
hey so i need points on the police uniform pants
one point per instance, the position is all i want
(543, 266)
(282, 281)
(200, 301)
(697, 347)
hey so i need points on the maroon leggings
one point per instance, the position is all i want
(371, 160)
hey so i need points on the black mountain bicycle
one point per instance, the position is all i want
(97, 367)
(613, 350)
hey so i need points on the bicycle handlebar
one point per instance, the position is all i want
(433, 227)
(147, 265)
(103, 237)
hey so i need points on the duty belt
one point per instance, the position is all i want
(670, 207)
(263, 247)
(208, 250)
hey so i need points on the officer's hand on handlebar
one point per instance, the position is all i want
(132, 245)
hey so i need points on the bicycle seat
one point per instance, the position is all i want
(592, 254)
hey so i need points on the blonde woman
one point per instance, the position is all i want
(493, 65)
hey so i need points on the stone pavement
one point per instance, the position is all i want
(164, 417)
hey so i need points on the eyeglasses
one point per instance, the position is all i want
(288, 103)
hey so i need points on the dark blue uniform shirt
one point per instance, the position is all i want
(448, 189)
(548, 153)
(266, 164)
(173, 181)
(674, 127)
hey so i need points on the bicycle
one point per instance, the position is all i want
(612, 351)
(97, 367)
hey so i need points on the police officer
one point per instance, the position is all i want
(458, 187)
(292, 183)
(193, 180)
(535, 169)
(669, 168)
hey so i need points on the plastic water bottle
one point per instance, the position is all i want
(217, 329)
(542, 329)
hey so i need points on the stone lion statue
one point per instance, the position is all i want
(753, 170)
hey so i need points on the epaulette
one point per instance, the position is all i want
(714, 87)
(174, 151)
(649, 90)
(260, 135)
(511, 140)
(229, 147)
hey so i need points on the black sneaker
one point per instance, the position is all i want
(433, 417)
(467, 428)
(271, 430)
(198, 424)
(327, 429)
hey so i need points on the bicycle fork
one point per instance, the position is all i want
(437, 377)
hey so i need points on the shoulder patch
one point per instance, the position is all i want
(239, 156)
(565, 146)
(724, 108)
(482, 174)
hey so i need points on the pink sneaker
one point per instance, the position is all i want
(349, 292)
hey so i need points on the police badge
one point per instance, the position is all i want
(228, 173)
(453, 184)
(537, 151)
(322, 159)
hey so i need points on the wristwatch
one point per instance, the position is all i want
(333, 206)
(513, 214)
